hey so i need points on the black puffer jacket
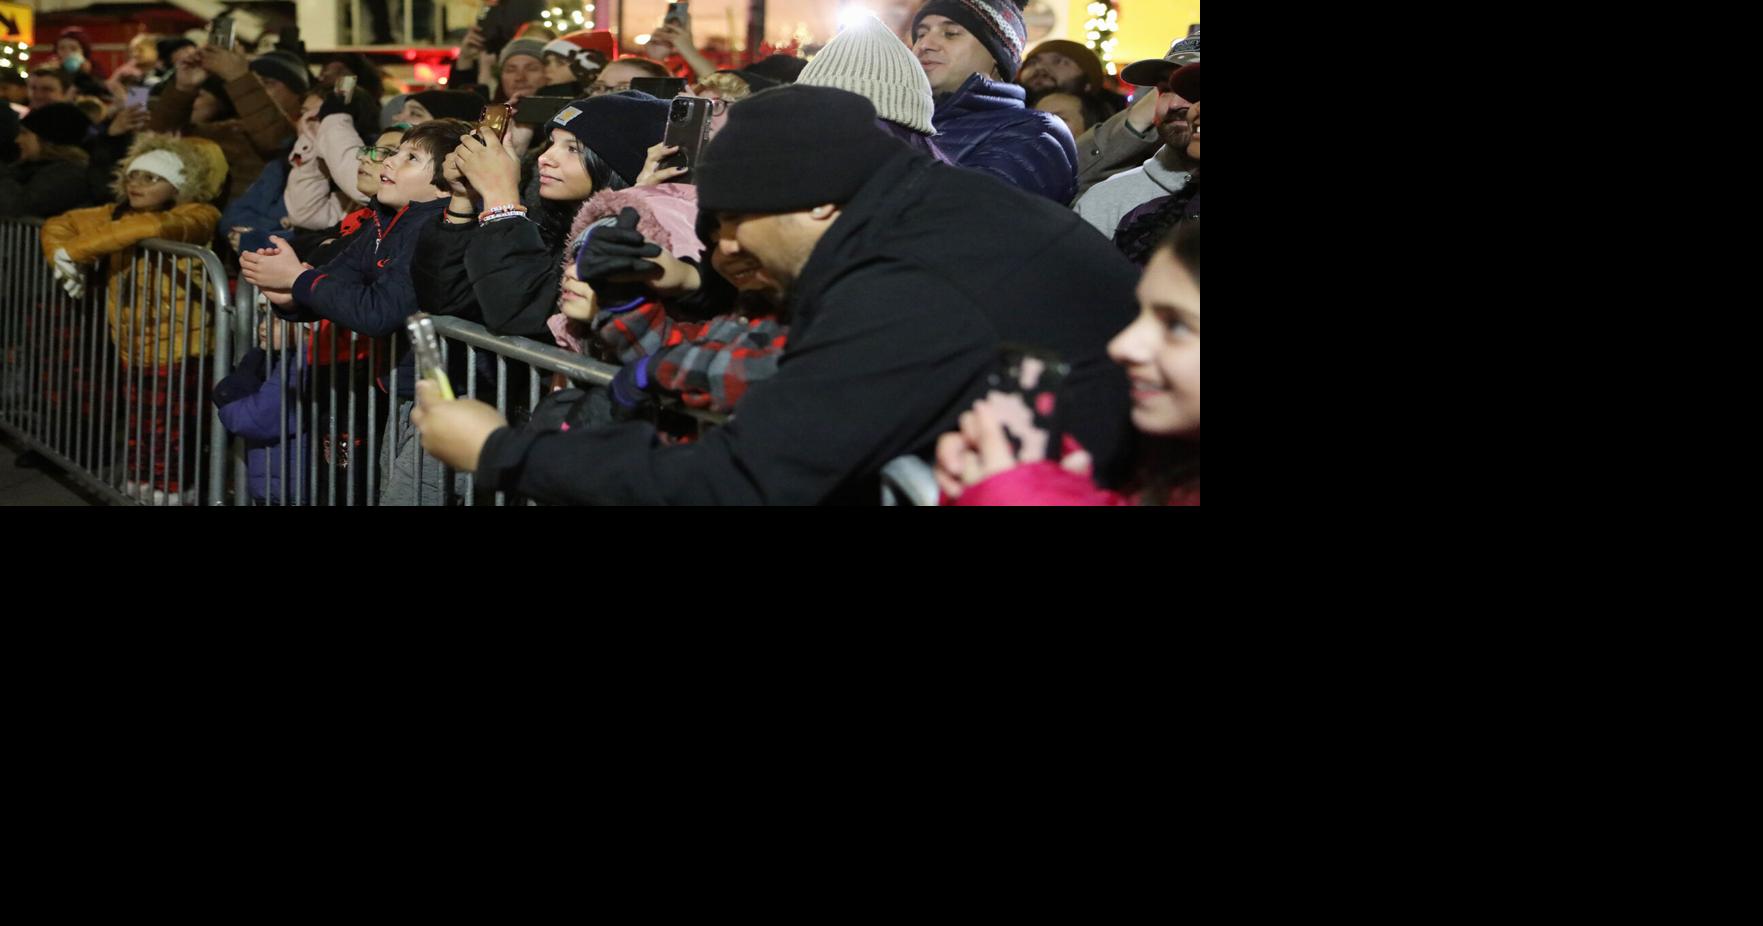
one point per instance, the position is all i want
(899, 314)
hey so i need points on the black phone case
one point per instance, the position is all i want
(690, 134)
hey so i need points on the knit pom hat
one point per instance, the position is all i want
(58, 123)
(996, 23)
(870, 61)
(284, 66)
(451, 104)
(619, 127)
(585, 49)
(792, 148)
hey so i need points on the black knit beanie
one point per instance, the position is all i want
(791, 148)
(619, 127)
(217, 87)
(996, 23)
(169, 47)
(451, 104)
(58, 123)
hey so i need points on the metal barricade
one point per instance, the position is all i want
(345, 438)
(113, 386)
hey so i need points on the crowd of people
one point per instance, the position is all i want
(954, 246)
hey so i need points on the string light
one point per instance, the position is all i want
(1100, 30)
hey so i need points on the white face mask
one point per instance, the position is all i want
(72, 62)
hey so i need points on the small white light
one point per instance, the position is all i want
(590, 24)
(643, 39)
(557, 11)
(441, 80)
(24, 56)
(577, 16)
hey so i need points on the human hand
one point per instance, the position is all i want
(1144, 113)
(278, 298)
(454, 176)
(653, 173)
(190, 74)
(491, 168)
(617, 254)
(272, 268)
(520, 139)
(471, 47)
(224, 63)
(235, 233)
(454, 431)
(128, 119)
(981, 450)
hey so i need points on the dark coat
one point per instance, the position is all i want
(898, 318)
(257, 404)
(985, 126)
(44, 188)
(514, 277)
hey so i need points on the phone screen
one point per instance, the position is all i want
(137, 97)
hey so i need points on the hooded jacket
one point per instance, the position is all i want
(173, 326)
(43, 188)
(1109, 201)
(897, 319)
(985, 126)
(257, 403)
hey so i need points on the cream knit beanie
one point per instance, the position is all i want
(869, 60)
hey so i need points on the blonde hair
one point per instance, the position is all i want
(731, 86)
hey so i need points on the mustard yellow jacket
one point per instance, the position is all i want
(178, 325)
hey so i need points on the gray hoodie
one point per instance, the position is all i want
(1109, 201)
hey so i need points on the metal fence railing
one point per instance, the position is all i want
(113, 385)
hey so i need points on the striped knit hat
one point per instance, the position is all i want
(996, 23)
(870, 61)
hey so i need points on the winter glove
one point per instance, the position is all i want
(71, 275)
(244, 380)
(616, 250)
(630, 383)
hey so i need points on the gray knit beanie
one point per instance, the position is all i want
(532, 48)
(870, 61)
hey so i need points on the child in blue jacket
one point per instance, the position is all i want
(258, 403)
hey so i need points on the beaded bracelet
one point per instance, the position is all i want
(496, 212)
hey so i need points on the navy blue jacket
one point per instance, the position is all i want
(985, 126)
(368, 287)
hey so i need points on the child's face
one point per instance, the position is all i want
(407, 177)
(148, 192)
(1160, 351)
(576, 302)
(272, 332)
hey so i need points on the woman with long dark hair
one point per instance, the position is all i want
(506, 254)
(1160, 352)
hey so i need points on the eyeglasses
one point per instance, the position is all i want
(599, 89)
(373, 154)
(142, 178)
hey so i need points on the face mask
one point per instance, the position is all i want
(72, 62)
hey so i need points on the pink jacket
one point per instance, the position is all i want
(320, 157)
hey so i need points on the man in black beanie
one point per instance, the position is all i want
(905, 275)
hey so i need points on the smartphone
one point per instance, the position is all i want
(688, 126)
(1035, 375)
(346, 85)
(676, 12)
(220, 32)
(538, 110)
(663, 88)
(427, 346)
(138, 96)
(493, 122)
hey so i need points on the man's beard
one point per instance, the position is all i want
(1075, 88)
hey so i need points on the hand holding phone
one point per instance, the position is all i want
(688, 128)
(1023, 392)
(346, 86)
(221, 31)
(427, 347)
(137, 97)
(493, 122)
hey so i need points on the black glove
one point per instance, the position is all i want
(616, 250)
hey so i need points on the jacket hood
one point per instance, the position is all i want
(205, 166)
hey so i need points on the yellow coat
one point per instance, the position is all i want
(136, 325)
